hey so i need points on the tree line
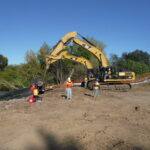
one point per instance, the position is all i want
(20, 76)
(137, 61)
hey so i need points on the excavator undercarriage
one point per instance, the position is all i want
(111, 86)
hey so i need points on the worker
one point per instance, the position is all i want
(85, 82)
(96, 88)
(69, 86)
(109, 73)
(90, 75)
(32, 87)
(105, 75)
(35, 93)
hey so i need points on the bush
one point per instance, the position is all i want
(137, 67)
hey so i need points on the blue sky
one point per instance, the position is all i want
(123, 25)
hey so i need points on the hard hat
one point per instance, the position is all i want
(69, 80)
(32, 87)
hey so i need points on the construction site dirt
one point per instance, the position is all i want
(114, 121)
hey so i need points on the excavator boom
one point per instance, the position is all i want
(65, 55)
(62, 43)
(71, 37)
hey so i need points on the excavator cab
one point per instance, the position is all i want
(109, 74)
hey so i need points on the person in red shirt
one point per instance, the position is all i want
(69, 86)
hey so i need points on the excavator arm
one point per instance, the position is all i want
(62, 43)
(60, 46)
(65, 55)
(71, 37)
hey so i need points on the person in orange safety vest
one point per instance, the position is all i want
(69, 86)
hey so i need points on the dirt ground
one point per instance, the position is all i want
(115, 121)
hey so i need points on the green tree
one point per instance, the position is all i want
(61, 69)
(134, 61)
(18, 76)
(43, 51)
(137, 55)
(32, 68)
(135, 66)
(116, 62)
(11, 78)
(3, 62)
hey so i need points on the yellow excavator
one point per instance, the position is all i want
(106, 75)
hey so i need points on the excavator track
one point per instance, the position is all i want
(119, 86)
(122, 87)
(112, 86)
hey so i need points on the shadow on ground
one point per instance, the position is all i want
(52, 143)
(90, 95)
(64, 96)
